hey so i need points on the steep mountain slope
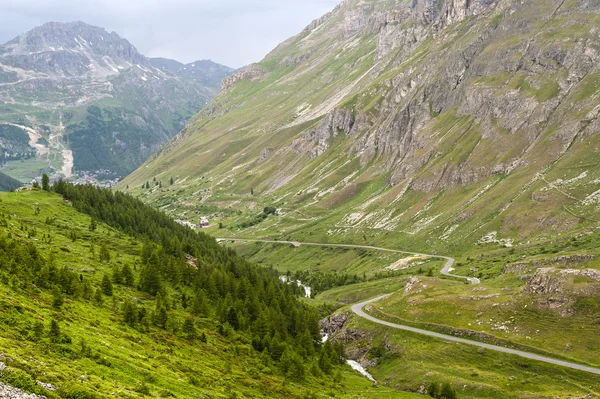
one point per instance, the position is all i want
(433, 124)
(7, 182)
(110, 303)
(87, 101)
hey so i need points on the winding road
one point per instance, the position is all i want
(445, 270)
(358, 308)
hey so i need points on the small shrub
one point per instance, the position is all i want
(76, 392)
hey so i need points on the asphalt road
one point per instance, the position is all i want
(445, 270)
(358, 308)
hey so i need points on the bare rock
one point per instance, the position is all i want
(316, 141)
(410, 283)
(8, 392)
(252, 72)
(333, 323)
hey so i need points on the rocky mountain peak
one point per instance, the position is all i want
(71, 49)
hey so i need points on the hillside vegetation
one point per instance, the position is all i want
(104, 296)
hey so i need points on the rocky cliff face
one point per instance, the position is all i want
(52, 73)
(432, 118)
(252, 72)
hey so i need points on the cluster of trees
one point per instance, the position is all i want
(187, 270)
(324, 280)
(268, 210)
(441, 391)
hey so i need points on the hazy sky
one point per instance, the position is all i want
(231, 32)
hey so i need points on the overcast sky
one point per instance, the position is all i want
(231, 32)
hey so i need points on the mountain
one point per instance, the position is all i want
(7, 182)
(89, 102)
(438, 124)
(206, 72)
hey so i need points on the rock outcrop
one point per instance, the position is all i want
(315, 142)
(553, 281)
(252, 72)
(8, 392)
(334, 323)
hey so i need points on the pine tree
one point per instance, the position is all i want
(171, 181)
(447, 392)
(189, 328)
(87, 290)
(104, 254)
(93, 224)
(232, 318)
(98, 298)
(57, 298)
(127, 274)
(130, 313)
(54, 333)
(433, 390)
(325, 363)
(106, 285)
(161, 317)
(45, 182)
(38, 330)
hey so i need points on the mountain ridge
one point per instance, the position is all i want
(378, 108)
(73, 86)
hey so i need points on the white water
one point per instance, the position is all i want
(356, 366)
(307, 290)
(352, 363)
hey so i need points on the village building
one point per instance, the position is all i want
(203, 222)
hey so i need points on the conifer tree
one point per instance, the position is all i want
(127, 274)
(130, 313)
(104, 254)
(45, 182)
(57, 298)
(189, 328)
(98, 298)
(106, 285)
(54, 333)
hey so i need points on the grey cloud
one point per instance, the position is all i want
(232, 32)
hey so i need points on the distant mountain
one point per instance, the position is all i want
(7, 182)
(89, 103)
(206, 72)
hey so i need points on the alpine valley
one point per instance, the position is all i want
(404, 200)
(76, 100)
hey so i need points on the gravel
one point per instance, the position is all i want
(8, 392)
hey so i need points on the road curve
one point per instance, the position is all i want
(445, 270)
(358, 309)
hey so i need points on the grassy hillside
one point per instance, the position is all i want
(399, 132)
(558, 319)
(61, 326)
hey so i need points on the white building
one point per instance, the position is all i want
(203, 222)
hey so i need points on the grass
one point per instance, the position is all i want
(117, 360)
